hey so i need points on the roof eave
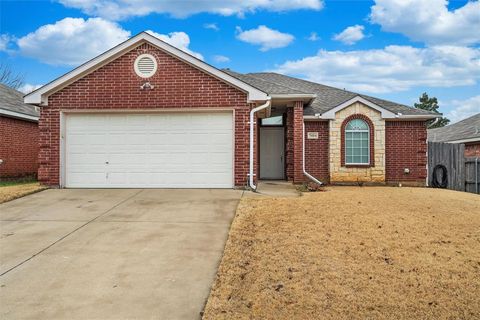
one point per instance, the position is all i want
(18, 115)
(305, 97)
(465, 140)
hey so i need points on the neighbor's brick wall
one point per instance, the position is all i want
(316, 150)
(472, 150)
(116, 86)
(345, 174)
(406, 147)
(18, 147)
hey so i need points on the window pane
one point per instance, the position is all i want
(357, 124)
(357, 142)
(273, 121)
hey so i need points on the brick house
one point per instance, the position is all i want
(145, 114)
(466, 131)
(18, 135)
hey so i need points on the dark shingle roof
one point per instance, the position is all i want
(327, 97)
(262, 84)
(12, 100)
(466, 129)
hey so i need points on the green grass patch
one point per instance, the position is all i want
(8, 183)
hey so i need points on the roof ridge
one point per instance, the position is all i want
(467, 120)
(315, 83)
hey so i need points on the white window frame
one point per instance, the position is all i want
(368, 144)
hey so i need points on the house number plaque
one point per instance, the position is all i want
(312, 135)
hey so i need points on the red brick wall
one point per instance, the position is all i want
(298, 142)
(472, 150)
(406, 147)
(316, 150)
(18, 147)
(289, 144)
(116, 86)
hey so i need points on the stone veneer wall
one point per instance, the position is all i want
(349, 174)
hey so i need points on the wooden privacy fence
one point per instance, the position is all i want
(463, 174)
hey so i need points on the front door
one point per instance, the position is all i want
(272, 153)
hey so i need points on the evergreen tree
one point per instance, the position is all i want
(431, 104)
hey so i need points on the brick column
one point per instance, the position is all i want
(298, 142)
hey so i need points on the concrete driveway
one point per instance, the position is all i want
(112, 254)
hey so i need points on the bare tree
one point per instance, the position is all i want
(9, 78)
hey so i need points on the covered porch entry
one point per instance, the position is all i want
(273, 151)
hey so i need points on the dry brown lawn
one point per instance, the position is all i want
(14, 191)
(352, 253)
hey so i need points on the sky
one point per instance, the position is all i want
(391, 49)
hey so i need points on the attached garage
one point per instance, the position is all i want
(145, 115)
(148, 150)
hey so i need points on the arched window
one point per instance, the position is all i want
(357, 142)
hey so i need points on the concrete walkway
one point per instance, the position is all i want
(274, 188)
(112, 254)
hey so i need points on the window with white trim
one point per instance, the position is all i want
(357, 142)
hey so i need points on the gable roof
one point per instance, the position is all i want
(11, 105)
(40, 96)
(258, 86)
(467, 130)
(326, 98)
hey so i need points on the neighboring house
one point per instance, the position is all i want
(146, 114)
(466, 131)
(18, 135)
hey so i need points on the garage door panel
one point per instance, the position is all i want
(86, 159)
(94, 179)
(176, 150)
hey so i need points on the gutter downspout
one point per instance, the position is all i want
(252, 128)
(303, 159)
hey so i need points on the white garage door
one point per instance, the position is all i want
(164, 150)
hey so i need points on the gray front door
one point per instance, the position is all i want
(272, 153)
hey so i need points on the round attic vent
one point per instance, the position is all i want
(145, 65)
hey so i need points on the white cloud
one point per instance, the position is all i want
(5, 39)
(394, 68)
(181, 40)
(429, 21)
(221, 59)
(71, 41)
(265, 37)
(313, 37)
(27, 87)
(350, 35)
(211, 26)
(463, 108)
(122, 9)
